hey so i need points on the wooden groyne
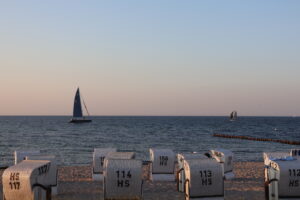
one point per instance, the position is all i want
(242, 137)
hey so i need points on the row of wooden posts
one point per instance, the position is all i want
(242, 137)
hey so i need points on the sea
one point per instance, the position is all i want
(73, 144)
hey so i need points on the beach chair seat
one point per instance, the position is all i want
(180, 176)
(204, 179)
(282, 180)
(28, 180)
(21, 154)
(53, 172)
(99, 155)
(122, 179)
(162, 165)
(225, 157)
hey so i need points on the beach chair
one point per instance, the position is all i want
(21, 154)
(282, 180)
(295, 152)
(99, 155)
(122, 179)
(225, 157)
(53, 172)
(204, 179)
(269, 156)
(28, 180)
(180, 175)
(162, 165)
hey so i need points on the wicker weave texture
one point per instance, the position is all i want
(163, 161)
(205, 177)
(19, 181)
(122, 179)
(99, 155)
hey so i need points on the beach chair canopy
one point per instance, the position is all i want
(180, 173)
(189, 156)
(204, 178)
(288, 173)
(99, 155)
(122, 179)
(163, 161)
(53, 171)
(27, 178)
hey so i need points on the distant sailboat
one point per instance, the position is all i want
(77, 110)
(233, 116)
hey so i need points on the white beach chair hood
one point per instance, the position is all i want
(123, 179)
(26, 179)
(204, 178)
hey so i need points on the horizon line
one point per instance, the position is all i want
(149, 115)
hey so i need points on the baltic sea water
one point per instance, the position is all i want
(73, 144)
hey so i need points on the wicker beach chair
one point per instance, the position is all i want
(204, 179)
(180, 175)
(162, 165)
(99, 155)
(225, 157)
(282, 180)
(282, 175)
(295, 152)
(122, 179)
(28, 180)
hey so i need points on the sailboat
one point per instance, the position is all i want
(233, 116)
(77, 110)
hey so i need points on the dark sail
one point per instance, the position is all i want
(233, 115)
(77, 110)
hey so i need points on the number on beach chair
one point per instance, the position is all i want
(162, 165)
(204, 179)
(282, 179)
(122, 179)
(180, 175)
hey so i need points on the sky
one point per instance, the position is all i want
(137, 57)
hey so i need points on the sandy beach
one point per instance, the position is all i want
(75, 183)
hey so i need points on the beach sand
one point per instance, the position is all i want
(75, 183)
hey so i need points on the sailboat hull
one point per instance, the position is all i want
(80, 120)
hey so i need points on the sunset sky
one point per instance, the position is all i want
(150, 57)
